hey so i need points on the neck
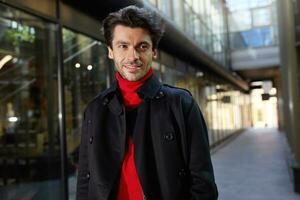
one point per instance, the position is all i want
(129, 89)
(132, 86)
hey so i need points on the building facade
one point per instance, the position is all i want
(53, 61)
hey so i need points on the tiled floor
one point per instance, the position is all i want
(253, 167)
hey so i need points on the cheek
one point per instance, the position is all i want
(118, 58)
(147, 57)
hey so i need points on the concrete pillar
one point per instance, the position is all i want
(290, 86)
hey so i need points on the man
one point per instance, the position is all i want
(142, 139)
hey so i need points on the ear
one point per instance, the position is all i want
(154, 53)
(110, 53)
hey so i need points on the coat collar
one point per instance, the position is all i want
(112, 95)
(148, 90)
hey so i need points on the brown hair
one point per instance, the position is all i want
(133, 17)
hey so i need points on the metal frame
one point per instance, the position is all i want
(61, 105)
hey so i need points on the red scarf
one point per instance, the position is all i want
(129, 89)
(129, 185)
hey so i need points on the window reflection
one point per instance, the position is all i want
(29, 138)
(86, 71)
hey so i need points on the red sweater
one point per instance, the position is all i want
(129, 185)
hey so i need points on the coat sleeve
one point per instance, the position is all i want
(82, 178)
(202, 182)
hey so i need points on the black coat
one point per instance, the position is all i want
(171, 146)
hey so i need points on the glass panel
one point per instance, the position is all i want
(202, 35)
(240, 21)
(258, 37)
(178, 13)
(188, 17)
(165, 7)
(189, 2)
(86, 72)
(196, 6)
(247, 4)
(197, 29)
(262, 17)
(253, 25)
(153, 2)
(30, 166)
(171, 76)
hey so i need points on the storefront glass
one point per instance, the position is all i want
(85, 75)
(30, 164)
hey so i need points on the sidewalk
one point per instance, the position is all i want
(253, 167)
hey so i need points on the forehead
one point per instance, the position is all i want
(128, 34)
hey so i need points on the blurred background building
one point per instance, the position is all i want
(239, 59)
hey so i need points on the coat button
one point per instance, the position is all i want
(88, 175)
(169, 136)
(182, 173)
(160, 94)
(91, 139)
(89, 121)
(105, 101)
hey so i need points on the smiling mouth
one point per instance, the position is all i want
(132, 66)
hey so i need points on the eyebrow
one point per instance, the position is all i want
(121, 42)
(124, 42)
(144, 42)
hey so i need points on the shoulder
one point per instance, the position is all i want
(179, 95)
(177, 92)
(99, 100)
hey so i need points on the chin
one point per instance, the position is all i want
(133, 77)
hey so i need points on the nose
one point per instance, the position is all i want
(133, 54)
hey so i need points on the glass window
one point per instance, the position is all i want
(190, 17)
(252, 26)
(178, 13)
(261, 17)
(258, 37)
(86, 71)
(30, 164)
(217, 47)
(202, 7)
(153, 2)
(239, 4)
(202, 35)
(189, 2)
(197, 29)
(240, 21)
(196, 6)
(165, 7)
(171, 76)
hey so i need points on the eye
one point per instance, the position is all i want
(122, 46)
(144, 47)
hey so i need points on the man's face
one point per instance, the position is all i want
(132, 52)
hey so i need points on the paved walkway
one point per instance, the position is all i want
(253, 167)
